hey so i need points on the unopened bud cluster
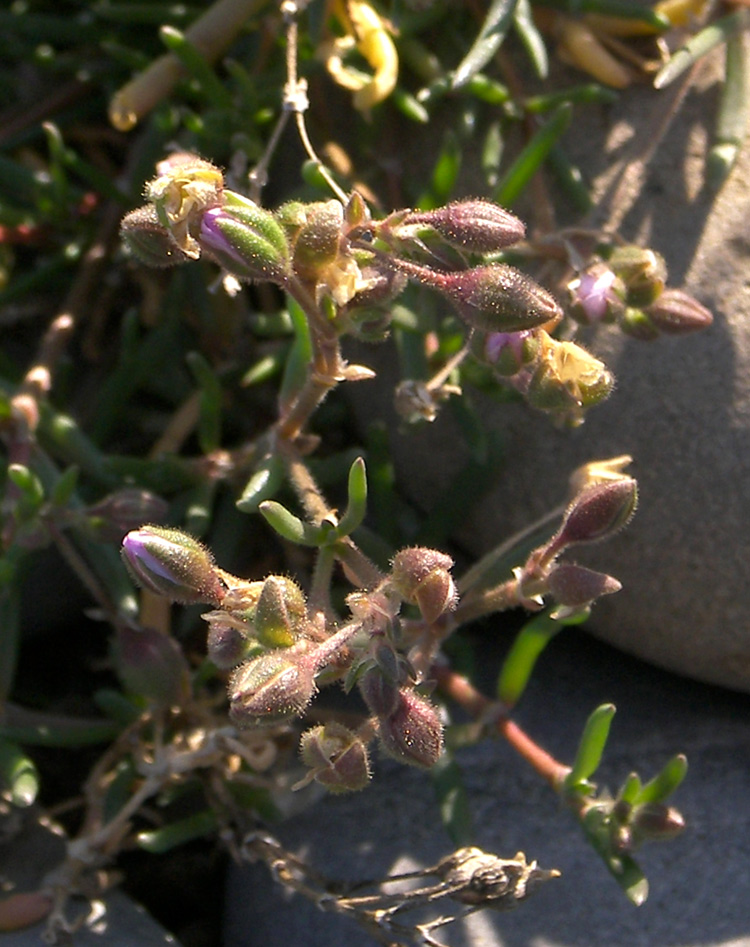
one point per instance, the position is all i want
(628, 286)
(598, 511)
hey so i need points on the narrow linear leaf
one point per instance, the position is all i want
(531, 38)
(170, 836)
(490, 38)
(591, 747)
(263, 484)
(196, 65)
(734, 112)
(665, 782)
(357, 503)
(18, 774)
(532, 156)
(519, 664)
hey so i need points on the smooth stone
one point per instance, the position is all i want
(699, 882)
(681, 409)
(26, 856)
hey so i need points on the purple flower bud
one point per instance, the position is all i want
(474, 225)
(413, 733)
(598, 512)
(509, 352)
(151, 664)
(245, 239)
(653, 821)
(337, 757)
(270, 688)
(172, 564)
(676, 313)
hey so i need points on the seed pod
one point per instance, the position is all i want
(337, 757)
(422, 577)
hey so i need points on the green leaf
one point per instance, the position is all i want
(532, 156)
(520, 661)
(665, 782)
(591, 746)
(18, 774)
(490, 38)
(170, 836)
(10, 630)
(291, 527)
(623, 867)
(265, 482)
(197, 66)
(209, 420)
(532, 40)
(356, 508)
(700, 44)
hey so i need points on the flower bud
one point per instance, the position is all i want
(148, 240)
(226, 645)
(596, 295)
(172, 564)
(280, 612)
(422, 577)
(413, 733)
(474, 225)
(270, 688)
(498, 298)
(151, 664)
(318, 239)
(245, 240)
(598, 512)
(380, 692)
(676, 313)
(337, 757)
(653, 821)
(643, 272)
(574, 586)
(123, 510)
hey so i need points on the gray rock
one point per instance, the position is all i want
(700, 883)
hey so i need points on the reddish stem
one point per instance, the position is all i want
(463, 692)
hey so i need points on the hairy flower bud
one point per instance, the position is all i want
(172, 564)
(643, 272)
(318, 239)
(380, 692)
(337, 757)
(226, 645)
(474, 225)
(413, 733)
(246, 240)
(598, 512)
(676, 313)
(498, 298)
(574, 586)
(118, 512)
(151, 664)
(148, 240)
(279, 613)
(422, 577)
(270, 688)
